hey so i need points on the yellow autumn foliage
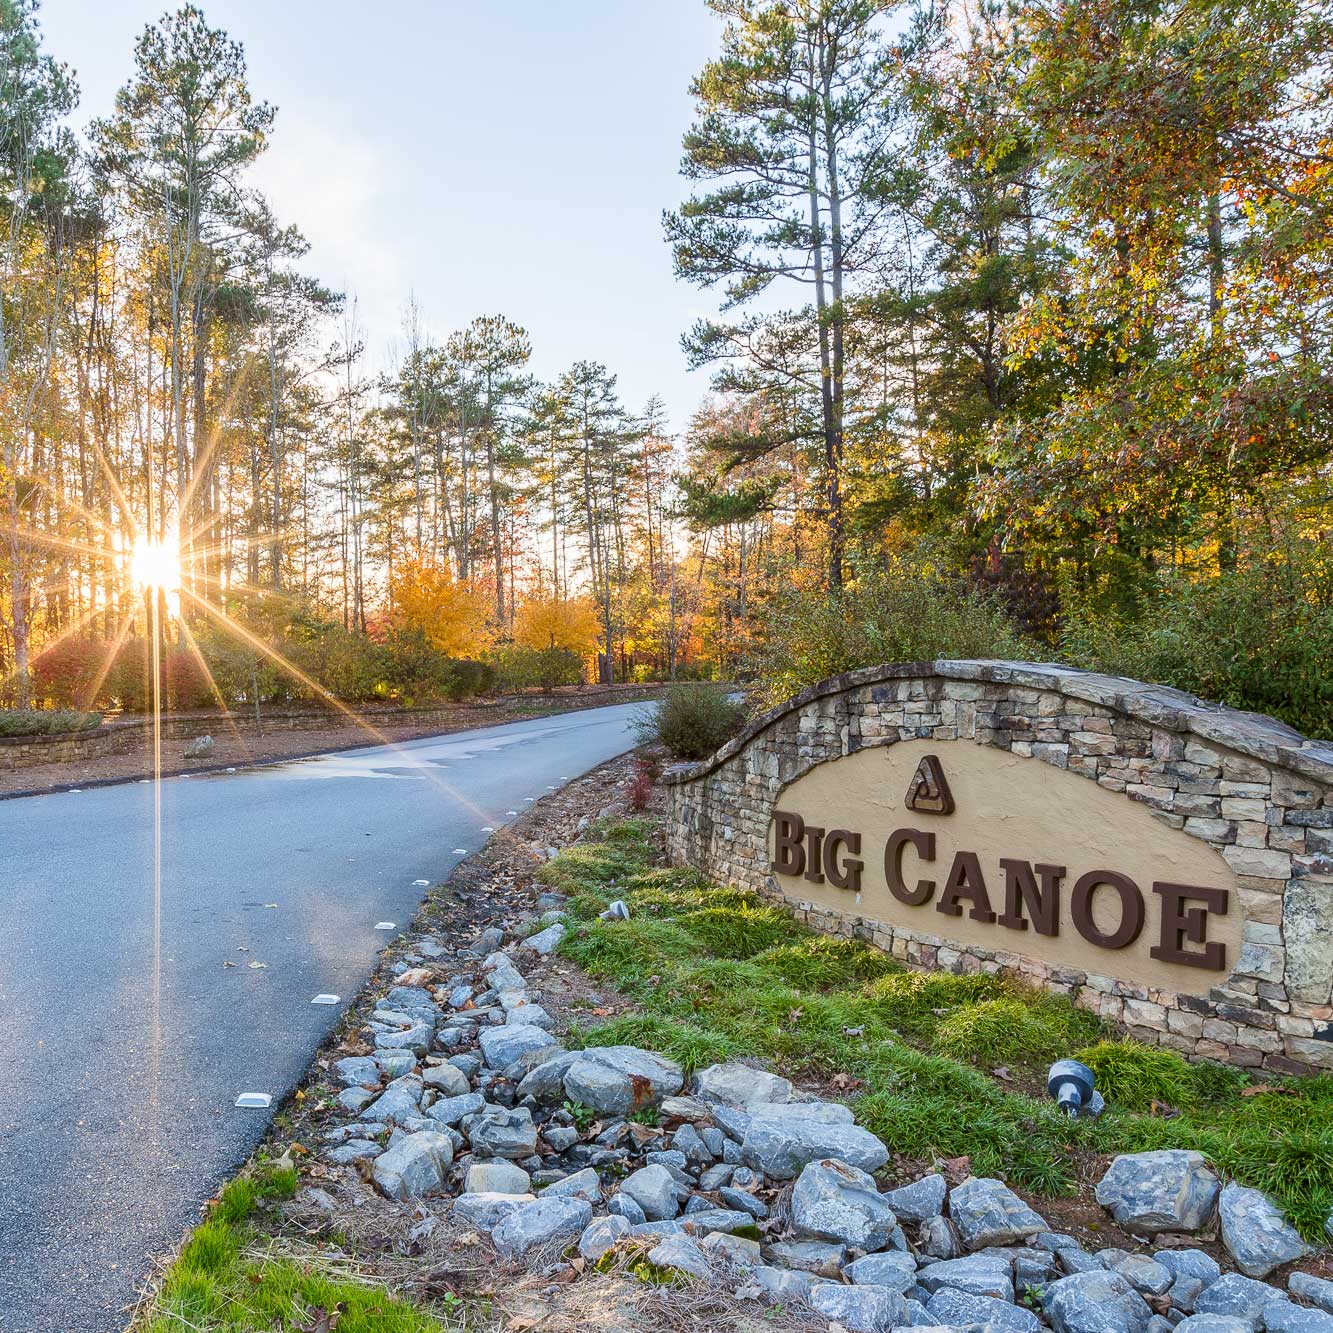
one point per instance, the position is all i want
(452, 613)
(553, 622)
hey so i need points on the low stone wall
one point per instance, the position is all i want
(132, 734)
(1255, 792)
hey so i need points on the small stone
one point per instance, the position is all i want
(447, 1080)
(354, 1150)
(560, 1137)
(452, 1110)
(743, 1200)
(985, 1211)
(808, 1256)
(496, 1178)
(601, 1235)
(686, 1140)
(938, 1239)
(1317, 1290)
(547, 941)
(503, 1133)
(836, 1202)
(1182, 1294)
(399, 1100)
(356, 1070)
(1256, 1232)
(1098, 1301)
(781, 1283)
(681, 1255)
(621, 1205)
(582, 1185)
(546, 1222)
(355, 1100)
(1171, 1189)
(654, 1190)
(714, 1177)
(1142, 1273)
(1190, 1263)
(862, 1309)
(414, 1166)
(731, 1251)
(919, 1201)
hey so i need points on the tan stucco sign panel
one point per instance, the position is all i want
(1008, 853)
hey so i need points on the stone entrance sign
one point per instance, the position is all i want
(1167, 863)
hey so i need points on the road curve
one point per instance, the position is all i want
(118, 1077)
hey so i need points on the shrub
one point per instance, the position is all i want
(65, 671)
(469, 679)
(1133, 1076)
(46, 722)
(520, 668)
(127, 682)
(1260, 638)
(187, 680)
(893, 615)
(1011, 1030)
(692, 720)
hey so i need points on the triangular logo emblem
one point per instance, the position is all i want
(929, 792)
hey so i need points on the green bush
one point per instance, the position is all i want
(1259, 639)
(893, 615)
(519, 668)
(1133, 1076)
(46, 722)
(1014, 1029)
(692, 721)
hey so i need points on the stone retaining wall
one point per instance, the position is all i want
(1249, 787)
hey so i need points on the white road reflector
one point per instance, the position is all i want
(421, 883)
(460, 851)
(511, 812)
(384, 925)
(488, 828)
(255, 1101)
(326, 999)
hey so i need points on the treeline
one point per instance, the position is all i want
(1046, 297)
(169, 371)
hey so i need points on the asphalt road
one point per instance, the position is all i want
(118, 1074)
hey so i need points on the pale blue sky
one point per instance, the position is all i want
(492, 158)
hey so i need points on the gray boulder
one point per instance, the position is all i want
(951, 1307)
(1256, 1232)
(781, 1140)
(1288, 1317)
(447, 1081)
(680, 1254)
(808, 1256)
(1317, 1290)
(546, 941)
(503, 1133)
(414, 1166)
(1197, 1264)
(582, 1185)
(863, 1309)
(497, 1178)
(977, 1274)
(502, 1046)
(354, 1150)
(781, 1284)
(889, 1269)
(987, 1212)
(621, 1205)
(542, 1224)
(398, 1101)
(919, 1201)
(1214, 1323)
(937, 1238)
(836, 1202)
(617, 1080)
(736, 1084)
(200, 748)
(731, 1251)
(452, 1110)
(1171, 1189)
(1098, 1301)
(1238, 1296)
(1141, 1272)
(654, 1189)
(355, 1100)
(356, 1070)
(601, 1235)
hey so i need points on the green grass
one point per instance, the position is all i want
(216, 1286)
(718, 973)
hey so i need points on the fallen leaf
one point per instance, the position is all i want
(1273, 1089)
(322, 1320)
(228, 963)
(416, 976)
(603, 1011)
(1162, 1110)
(1000, 1071)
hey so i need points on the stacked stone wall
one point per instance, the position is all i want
(1248, 786)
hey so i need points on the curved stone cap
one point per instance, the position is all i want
(1252, 734)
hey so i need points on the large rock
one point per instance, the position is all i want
(357, 1070)
(601, 1235)
(1288, 1317)
(1171, 1189)
(951, 1307)
(546, 941)
(1317, 1290)
(1307, 917)
(1098, 1301)
(987, 1212)
(1214, 1323)
(447, 1080)
(1239, 1296)
(1197, 1264)
(653, 1188)
(976, 1274)
(537, 1226)
(503, 1133)
(781, 1140)
(398, 1101)
(415, 1165)
(781, 1284)
(582, 1184)
(737, 1084)
(836, 1202)
(680, 1254)
(891, 1268)
(502, 1046)
(919, 1201)
(618, 1080)
(487, 1210)
(863, 1309)
(1256, 1231)
(452, 1110)
(808, 1256)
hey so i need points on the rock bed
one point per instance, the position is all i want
(742, 1178)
